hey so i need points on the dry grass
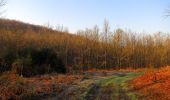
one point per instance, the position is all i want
(13, 86)
(153, 85)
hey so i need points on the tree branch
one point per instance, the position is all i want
(2, 3)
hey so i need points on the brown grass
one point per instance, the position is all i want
(13, 86)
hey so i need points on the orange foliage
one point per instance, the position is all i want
(153, 85)
(14, 87)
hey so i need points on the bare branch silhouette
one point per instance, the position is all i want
(2, 4)
(167, 12)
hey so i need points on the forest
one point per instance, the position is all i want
(31, 50)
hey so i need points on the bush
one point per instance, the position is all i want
(47, 58)
(17, 66)
(6, 61)
(32, 62)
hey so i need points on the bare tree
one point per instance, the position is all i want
(168, 13)
(2, 4)
(61, 28)
(106, 31)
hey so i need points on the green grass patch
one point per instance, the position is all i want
(121, 86)
(116, 83)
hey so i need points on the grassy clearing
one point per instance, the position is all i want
(121, 86)
(113, 87)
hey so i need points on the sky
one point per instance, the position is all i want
(136, 15)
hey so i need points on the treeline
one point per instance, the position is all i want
(31, 50)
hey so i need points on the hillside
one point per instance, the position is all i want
(32, 46)
(21, 27)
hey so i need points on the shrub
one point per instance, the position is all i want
(6, 61)
(17, 66)
(32, 62)
(47, 58)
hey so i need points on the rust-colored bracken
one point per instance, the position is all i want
(153, 85)
(13, 86)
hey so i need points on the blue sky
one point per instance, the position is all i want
(136, 15)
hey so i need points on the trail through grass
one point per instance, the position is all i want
(112, 88)
(99, 87)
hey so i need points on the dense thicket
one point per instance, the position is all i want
(90, 48)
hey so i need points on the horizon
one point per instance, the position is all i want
(139, 16)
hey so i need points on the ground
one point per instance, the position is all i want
(99, 86)
(92, 85)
